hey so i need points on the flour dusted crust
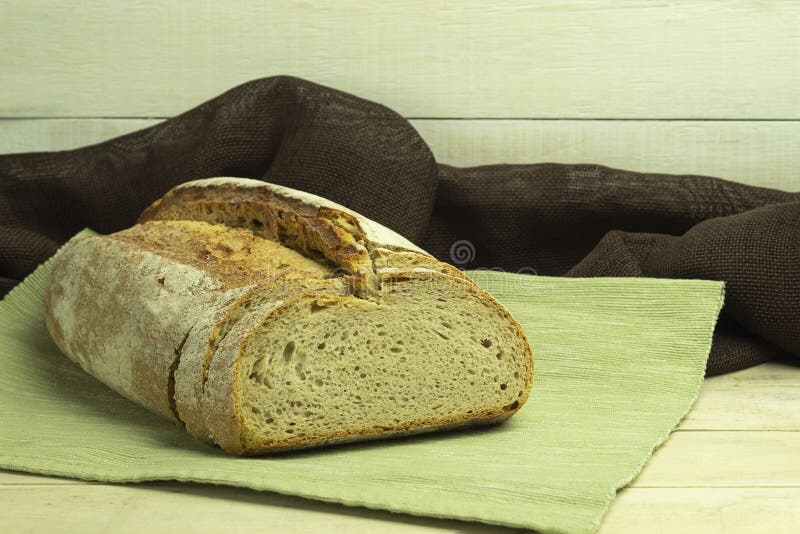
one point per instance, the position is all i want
(94, 283)
(165, 313)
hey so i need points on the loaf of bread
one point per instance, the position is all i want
(264, 318)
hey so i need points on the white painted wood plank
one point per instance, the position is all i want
(33, 135)
(757, 153)
(725, 459)
(597, 58)
(751, 152)
(765, 397)
(14, 478)
(704, 511)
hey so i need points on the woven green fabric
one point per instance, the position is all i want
(618, 364)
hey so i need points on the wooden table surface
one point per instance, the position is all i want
(680, 87)
(733, 466)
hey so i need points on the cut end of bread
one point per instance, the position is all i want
(430, 355)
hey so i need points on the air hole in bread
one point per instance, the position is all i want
(299, 370)
(288, 350)
(320, 304)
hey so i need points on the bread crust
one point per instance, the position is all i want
(160, 312)
(298, 220)
(280, 198)
(95, 329)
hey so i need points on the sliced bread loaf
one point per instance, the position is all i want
(265, 319)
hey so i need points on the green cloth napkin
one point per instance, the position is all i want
(618, 364)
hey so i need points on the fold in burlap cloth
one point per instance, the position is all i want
(618, 364)
(579, 220)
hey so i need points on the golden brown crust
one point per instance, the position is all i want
(234, 256)
(341, 438)
(314, 232)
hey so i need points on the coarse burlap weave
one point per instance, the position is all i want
(552, 219)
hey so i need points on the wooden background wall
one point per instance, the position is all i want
(697, 87)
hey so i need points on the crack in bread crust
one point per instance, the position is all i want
(171, 379)
(318, 233)
(312, 226)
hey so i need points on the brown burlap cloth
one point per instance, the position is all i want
(552, 219)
